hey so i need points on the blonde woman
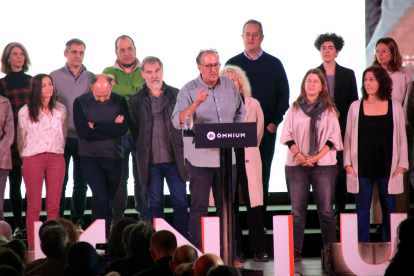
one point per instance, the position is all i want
(249, 170)
(312, 133)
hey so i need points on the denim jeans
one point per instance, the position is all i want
(363, 205)
(202, 179)
(80, 187)
(104, 181)
(298, 180)
(140, 192)
(178, 192)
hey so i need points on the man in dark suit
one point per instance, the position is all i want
(163, 245)
(343, 91)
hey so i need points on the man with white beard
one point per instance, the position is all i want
(159, 144)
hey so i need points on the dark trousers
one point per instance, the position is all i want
(3, 179)
(121, 196)
(267, 150)
(254, 219)
(103, 181)
(80, 187)
(202, 179)
(298, 180)
(341, 192)
(15, 179)
(178, 191)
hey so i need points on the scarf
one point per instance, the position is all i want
(314, 111)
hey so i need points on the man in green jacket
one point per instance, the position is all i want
(127, 79)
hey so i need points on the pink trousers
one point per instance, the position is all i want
(51, 168)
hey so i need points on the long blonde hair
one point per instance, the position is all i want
(240, 75)
(324, 94)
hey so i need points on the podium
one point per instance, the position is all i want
(226, 136)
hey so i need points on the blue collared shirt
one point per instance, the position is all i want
(223, 105)
(255, 57)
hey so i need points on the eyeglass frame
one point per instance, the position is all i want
(216, 66)
(382, 51)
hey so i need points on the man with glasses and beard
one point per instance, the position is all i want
(101, 119)
(159, 144)
(209, 98)
(126, 80)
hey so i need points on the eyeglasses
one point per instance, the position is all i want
(381, 51)
(210, 66)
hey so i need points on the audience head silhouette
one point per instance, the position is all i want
(54, 241)
(183, 254)
(205, 263)
(224, 270)
(163, 244)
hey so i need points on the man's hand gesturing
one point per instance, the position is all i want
(201, 96)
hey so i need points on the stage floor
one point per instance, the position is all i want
(307, 267)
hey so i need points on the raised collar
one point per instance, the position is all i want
(137, 65)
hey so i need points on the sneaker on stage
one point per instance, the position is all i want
(20, 233)
(261, 257)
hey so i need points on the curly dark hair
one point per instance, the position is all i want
(115, 246)
(384, 83)
(337, 40)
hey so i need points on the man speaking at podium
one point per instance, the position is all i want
(209, 98)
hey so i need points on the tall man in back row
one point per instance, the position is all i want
(270, 87)
(70, 82)
(126, 80)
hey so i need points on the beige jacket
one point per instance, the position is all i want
(399, 148)
(296, 128)
(252, 155)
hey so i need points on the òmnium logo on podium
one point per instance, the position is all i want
(226, 135)
(211, 135)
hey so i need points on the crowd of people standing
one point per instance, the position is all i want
(336, 143)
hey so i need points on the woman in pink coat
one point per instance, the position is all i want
(249, 171)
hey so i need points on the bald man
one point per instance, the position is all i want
(101, 119)
(163, 245)
(205, 263)
(183, 254)
(6, 230)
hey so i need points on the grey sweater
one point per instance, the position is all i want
(68, 89)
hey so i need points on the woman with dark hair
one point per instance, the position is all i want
(375, 150)
(343, 91)
(312, 133)
(41, 141)
(15, 62)
(402, 263)
(387, 55)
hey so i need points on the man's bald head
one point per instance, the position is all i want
(6, 230)
(183, 254)
(205, 263)
(101, 88)
(163, 244)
